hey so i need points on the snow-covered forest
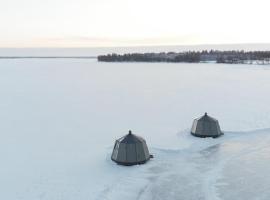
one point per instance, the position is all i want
(231, 57)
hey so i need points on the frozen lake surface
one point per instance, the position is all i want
(59, 119)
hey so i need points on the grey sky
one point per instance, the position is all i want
(82, 23)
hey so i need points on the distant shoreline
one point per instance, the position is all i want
(229, 57)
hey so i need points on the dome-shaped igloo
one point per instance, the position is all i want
(206, 126)
(130, 150)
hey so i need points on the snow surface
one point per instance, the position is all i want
(59, 119)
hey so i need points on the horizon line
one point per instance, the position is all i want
(136, 46)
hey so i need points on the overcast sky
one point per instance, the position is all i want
(88, 23)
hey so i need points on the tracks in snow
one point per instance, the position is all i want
(194, 172)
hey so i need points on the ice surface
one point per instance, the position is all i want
(59, 119)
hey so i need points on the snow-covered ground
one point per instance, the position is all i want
(59, 119)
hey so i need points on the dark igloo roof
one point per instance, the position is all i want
(131, 138)
(206, 117)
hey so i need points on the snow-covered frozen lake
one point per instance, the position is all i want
(59, 119)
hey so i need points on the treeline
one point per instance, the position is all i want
(152, 57)
(191, 57)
